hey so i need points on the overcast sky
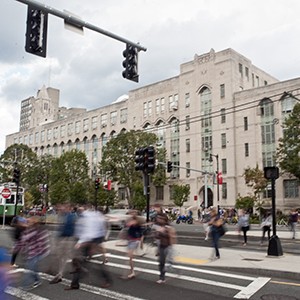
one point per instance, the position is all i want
(88, 69)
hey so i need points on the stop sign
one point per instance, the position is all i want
(6, 193)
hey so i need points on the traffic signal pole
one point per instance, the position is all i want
(77, 22)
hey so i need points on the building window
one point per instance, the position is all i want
(149, 108)
(145, 109)
(162, 104)
(188, 145)
(265, 82)
(253, 82)
(122, 193)
(268, 134)
(287, 104)
(103, 120)
(224, 165)
(49, 134)
(94, 122)
(31, 139)
(224, 190)
(222, 90)
(62, 131)
(113, 118)
(188, 169)
(85, 125)
(70, 129)
(291, 188)
(223, 115)
(187, 122)
(266, 108)
(123, 115)
(247, 73)
(245, 123)
(77, 127)
(187, 99)
(36, 138)
(159, 191)
(246, 149)
(223, 140)
(257, 80)
(157, 106)
(55, 132)
(241, 69)
(43, 136)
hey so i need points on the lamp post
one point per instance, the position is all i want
(217, 159)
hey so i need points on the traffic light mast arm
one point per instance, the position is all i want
(78, 22)
(179, 167)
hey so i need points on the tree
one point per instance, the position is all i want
(180, 194)
(69, 180)
(254, 178)
(118, 160)
(245, 203)
(289, 145)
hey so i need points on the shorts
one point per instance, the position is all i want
(133, 244)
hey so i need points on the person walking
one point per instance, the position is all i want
(163, 234)
(64, 249)
(134, 237)
(243, 225)
(19, 223)
(90, 230)
(205, 222)
(35, 242)
(215, 223)
(293, 221)
(266, 226)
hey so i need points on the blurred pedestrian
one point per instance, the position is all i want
(266, 224)
(215, 223)
(171, 249)
(19, 223)
(244, 225)
(91, 230)
(35, 242)
(164, 236)
(134, 236)
(293, 221)
(205, 222)
(64, 247)
(4, 277)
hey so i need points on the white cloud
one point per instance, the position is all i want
(88, 69)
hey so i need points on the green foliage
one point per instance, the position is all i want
(180, 194)
(289, 145)
(69, 180)
(118, 160)
(254, 178)
(245, 203)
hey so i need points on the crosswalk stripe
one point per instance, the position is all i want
(21, 294)
(186, 268)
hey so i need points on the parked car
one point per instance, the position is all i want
(36, 211)
(117, 218)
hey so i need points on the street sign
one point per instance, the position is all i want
(6, 193)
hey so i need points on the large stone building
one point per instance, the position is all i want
(220, 112)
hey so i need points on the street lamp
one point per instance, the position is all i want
(211, 160)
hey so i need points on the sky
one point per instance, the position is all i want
(87, 69)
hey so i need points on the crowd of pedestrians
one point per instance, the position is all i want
(83, 231)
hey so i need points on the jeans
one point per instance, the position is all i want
(162, 252)
(32, 276)
(215, 239)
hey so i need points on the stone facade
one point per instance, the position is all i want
(213, 114)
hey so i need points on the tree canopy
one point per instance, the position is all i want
(288, 151)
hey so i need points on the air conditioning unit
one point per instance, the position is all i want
(174, 106)
(103, 125)
(174, 153)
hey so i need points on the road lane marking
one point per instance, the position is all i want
(252, 288)
(21, 294)
(285, 283)
(192, 261)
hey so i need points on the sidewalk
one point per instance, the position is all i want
(254, 262)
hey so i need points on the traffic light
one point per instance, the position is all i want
(97, 183)
(150, 159)
(140, 159)
(16, 176)
(169, 166)
(130, 63)
(36, 33)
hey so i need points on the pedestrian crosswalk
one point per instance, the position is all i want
(241, 286)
